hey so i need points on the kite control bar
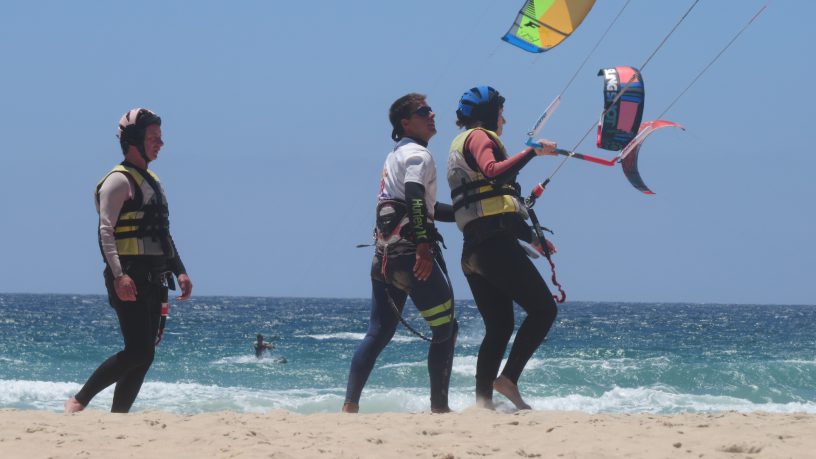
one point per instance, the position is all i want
(572, 154)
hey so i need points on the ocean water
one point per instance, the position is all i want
(598, 357)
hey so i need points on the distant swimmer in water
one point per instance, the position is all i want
(261, 346)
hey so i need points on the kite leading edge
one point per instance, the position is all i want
(542, 24)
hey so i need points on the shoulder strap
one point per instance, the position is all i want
(138, 197)
(150, 178)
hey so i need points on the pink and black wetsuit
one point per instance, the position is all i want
(500, 273)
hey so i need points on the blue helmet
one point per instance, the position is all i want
(481, 103)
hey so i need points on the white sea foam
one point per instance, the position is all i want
(338, 336)
(189, 398)
(404, 365)
(799, 362)
(40, 395)
(606, 364)
(265, 360)
(660, 401)
(348, 336)
(464, 366)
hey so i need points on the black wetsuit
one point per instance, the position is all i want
(261, 346)
(139, 322)
(500, 273)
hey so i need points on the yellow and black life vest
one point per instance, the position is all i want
(473, 195)
(143, 227)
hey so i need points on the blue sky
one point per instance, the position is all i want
(275, 122)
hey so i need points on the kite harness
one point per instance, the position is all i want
(393, 236)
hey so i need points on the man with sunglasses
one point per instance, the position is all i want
(407, 260)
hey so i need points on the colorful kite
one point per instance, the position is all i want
(623, 89)
(629, 155)
(542, 24)
(624, 96)
(619, 129)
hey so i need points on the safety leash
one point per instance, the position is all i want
(165, 311)
(562, 297)
(438, 259)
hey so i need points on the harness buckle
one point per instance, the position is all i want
(163, 278)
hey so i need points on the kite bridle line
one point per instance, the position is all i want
(554, 104)
(539, 189)
(594, 48)
(464, 37)
(710, 63)
(542, 120)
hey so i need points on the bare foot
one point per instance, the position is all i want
(73, 406)
(506, 387)
(351, 407)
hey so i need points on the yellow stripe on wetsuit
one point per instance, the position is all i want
(436, 310)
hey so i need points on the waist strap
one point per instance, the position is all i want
(486, 227)
(471, 198)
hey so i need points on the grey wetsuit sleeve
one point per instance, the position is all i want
(115, 190)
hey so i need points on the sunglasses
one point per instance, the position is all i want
(423, 111)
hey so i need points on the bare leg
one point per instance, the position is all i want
(504, 386)
(73, 406)
(351, 407)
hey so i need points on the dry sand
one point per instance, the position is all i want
(474, 433)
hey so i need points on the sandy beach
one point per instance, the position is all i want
(468, 434)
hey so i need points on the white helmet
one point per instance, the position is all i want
(132, 127)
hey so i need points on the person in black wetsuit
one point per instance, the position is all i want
(407, 260)
(489, 211)
(261, 346)
(140, 260)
